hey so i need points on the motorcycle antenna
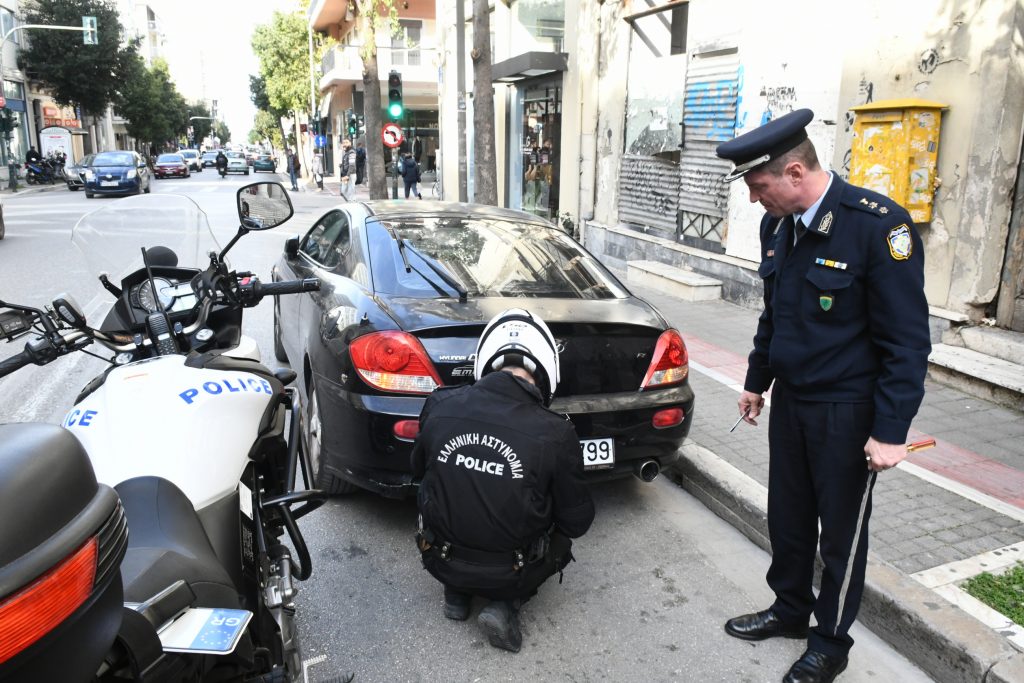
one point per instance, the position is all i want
(152, 282)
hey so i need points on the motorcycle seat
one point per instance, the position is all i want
(167, 542)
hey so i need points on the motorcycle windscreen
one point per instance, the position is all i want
(110, 240)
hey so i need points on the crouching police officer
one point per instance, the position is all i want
(502, 488)
(844, 336)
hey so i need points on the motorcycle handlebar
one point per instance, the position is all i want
(15, 362)
(310, 284)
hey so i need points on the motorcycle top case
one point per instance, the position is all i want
(159, 417)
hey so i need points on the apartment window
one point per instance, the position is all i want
(7, 22)
(680, 16)
(406, 44)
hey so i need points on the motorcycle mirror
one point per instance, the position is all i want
(68, 310)
(262, 206)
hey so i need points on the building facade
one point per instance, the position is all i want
(631, 98)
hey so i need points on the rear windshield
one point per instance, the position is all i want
(209, 155)
(169, 158)
(491, 258)
(189, 153)
(113, 159)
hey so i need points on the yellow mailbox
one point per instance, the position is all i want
(894, 152)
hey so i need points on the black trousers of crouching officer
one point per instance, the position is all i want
(817, 470)
(496, 576)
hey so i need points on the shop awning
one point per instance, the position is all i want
(529, 65)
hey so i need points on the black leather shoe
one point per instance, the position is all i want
(500, 622)
(761, 625)
(456, 605)
(815, 667)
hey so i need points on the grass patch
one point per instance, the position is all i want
(1003, 593)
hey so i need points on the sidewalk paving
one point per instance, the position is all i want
(951, 503)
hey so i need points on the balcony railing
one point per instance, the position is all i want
(343, 63)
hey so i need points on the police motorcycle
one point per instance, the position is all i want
(201, 446)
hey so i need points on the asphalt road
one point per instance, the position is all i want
(654, 580)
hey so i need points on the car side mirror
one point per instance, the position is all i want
(291, 246)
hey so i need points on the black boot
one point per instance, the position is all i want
(456, 605)
(500, 621)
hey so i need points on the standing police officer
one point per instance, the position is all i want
(844, 335)
(502, 488)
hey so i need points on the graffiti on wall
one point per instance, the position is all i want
(865, 95)
(779, 100)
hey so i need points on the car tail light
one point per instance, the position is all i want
(38, 608)
(669, 417)
(394, 361)
(670, 363)
(407, 430)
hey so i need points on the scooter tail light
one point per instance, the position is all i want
(394, 361)
(670, 363)
(38, 608)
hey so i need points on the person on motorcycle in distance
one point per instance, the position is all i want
(222, 163)
(502, 489)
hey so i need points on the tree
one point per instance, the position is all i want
(223, 132)
(148, 99)
(201, 128)
(375, 15)
(282, 49)
(266, 127)
(258, 95)
(485, 172)
(76, 74)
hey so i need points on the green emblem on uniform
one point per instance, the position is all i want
(826, 302)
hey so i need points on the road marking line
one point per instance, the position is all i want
(963, 490)
(307, 664)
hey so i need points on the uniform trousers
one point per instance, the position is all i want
(817, 471)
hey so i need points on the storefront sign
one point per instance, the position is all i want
(60, 116)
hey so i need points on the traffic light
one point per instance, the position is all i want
(353, 126)
(90, 36)
(395, 106)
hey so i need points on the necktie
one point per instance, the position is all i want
(798, 230)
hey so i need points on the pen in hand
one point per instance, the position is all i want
(738, 420)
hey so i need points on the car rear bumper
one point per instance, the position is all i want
(360, 445)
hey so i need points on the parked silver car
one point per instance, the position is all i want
(74, 174)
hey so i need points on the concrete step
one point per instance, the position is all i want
(978, 374)
(684, 284)
(993, 341)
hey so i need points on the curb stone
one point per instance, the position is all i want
(937, 636)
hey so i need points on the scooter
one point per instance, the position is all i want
(177, 465)
(37, 173)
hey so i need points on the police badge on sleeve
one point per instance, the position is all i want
(900, 243)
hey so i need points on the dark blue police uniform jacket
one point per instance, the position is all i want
(845, 316)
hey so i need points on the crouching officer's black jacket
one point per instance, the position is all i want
(845, 316)
(498, 469)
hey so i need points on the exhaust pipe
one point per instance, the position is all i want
(647, 471)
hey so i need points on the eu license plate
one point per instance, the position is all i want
(598, 453)
(109, 183)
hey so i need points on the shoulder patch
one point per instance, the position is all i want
(901, 245)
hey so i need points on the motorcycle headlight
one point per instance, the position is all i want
(132, 173)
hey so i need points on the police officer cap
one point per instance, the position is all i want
(761, 145)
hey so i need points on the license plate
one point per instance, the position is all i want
(598, 453)
(109, 183)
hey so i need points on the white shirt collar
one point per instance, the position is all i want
(808, 215)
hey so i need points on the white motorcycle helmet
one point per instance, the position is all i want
(516, 337)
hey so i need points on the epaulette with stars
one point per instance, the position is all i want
(870, 202)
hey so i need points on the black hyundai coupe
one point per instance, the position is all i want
(407, 288)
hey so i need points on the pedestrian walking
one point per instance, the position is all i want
(502, 490)
(360, 164)
(318, 169)
(844, 336)
(410, 172)
(292, 162)
(347, 168)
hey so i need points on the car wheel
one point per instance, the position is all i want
(2, 228)
(312, 431)
(246, 171)
(89, 195)
(279, 352)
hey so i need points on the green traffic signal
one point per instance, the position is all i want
(395, 110)
(395, 106)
